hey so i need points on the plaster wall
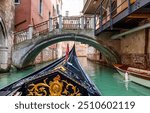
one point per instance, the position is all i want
(133, 50)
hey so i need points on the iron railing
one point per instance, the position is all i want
(67, 23)
(108, 9)
(40, 28)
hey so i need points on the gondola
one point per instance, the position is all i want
(63, 77)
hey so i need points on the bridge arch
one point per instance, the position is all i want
(32, 50)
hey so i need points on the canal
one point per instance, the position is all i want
(107, 80)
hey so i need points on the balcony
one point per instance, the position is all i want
(118, 15)
(90, 6)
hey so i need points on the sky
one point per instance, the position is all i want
(73, 6)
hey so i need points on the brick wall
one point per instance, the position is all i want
(27, 12)
(35, 15)
(81, 49)
(133, 50)
(46, 55)
(93, 54)
(22, 15)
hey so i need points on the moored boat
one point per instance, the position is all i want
(63, 77)
(136, 75)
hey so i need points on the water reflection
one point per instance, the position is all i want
(107, 80)
(110, 82)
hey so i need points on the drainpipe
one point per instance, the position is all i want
(131, 31)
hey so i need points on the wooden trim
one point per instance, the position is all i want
(138, 75)
(139, 15)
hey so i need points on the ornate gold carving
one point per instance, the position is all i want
(61, 68)
(57, 87)
(75, 91)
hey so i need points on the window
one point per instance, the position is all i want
(17, 1)
(41, 7)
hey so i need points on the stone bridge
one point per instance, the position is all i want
(29, 42)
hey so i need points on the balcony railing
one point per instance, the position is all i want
(109, 9)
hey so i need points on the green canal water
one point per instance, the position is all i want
(107, 80)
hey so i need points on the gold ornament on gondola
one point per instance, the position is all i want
(57, 87)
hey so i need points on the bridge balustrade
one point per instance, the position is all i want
(54, 25)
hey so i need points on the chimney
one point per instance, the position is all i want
(67, 13)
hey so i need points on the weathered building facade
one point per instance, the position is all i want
(6, 33)
(135, 49)
(124, 26)
(81, 49)
(34, 12)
